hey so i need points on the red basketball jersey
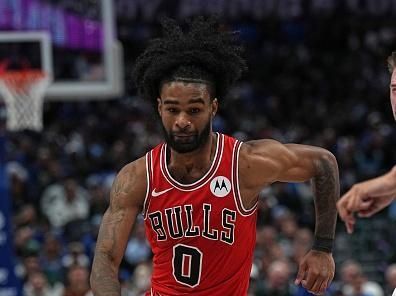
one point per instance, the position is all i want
(201, 235)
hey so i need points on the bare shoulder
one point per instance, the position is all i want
(130, 185)
(267, 150)
(258, 161)
(266, 161)
(257, 168)
(260, 146)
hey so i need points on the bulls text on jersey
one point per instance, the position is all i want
(169, 224)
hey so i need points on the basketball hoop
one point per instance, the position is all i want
(23, 92)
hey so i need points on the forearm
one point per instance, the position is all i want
(392, 182)
(384, 185)
(126, 200)
(326, 189)
(104, 276)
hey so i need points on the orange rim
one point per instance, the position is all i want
(20, 80)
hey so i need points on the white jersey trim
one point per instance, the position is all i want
(149, 172)
(208, 175)
(235, 183)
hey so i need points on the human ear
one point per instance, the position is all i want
(159, 106)
(215, 106)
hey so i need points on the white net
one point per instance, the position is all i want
(23, 94)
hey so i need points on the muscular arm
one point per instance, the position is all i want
(263, 162)
(126, 200)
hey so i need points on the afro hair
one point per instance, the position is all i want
(203, 52)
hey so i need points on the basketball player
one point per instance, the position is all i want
(198, 191)
(369, 197)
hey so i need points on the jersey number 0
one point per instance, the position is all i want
(187, 265)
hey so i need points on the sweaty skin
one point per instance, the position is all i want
(369, 197)
(186, 109)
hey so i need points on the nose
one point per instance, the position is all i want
(182, 121)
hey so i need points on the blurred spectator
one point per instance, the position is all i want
(24, 241)
(266, 238)
(51, 259)
(288, 229)
(75, 256)
(302, 243)
(77, 283)
(37, 285)
(277, 281)
(254, 280)
(355, 283)
(89, 238)
(30, 264)
(390, 276)
(99, 193)
(141, 280)
(18, 177)
(138, 249)
(26, 216)
(65, 202)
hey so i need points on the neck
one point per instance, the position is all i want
(189, 167)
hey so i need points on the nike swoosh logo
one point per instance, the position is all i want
(158, 193)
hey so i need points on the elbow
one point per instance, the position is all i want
(326, 162)
(329, 157)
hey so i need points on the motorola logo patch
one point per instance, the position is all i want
(220, 186)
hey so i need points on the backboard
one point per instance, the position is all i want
(74, 41)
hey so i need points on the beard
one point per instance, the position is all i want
(190, 143)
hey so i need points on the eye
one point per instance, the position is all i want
(195, 110)
(171, 110)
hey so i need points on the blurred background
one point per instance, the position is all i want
(317, 75)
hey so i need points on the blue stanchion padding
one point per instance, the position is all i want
(9, 283)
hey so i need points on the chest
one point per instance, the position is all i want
(208, 212)
(187, 175)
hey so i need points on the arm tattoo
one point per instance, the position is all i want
(104, 274)
(326, 193)
(104, 277)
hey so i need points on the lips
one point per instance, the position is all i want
(184, 138)
(183, 135)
